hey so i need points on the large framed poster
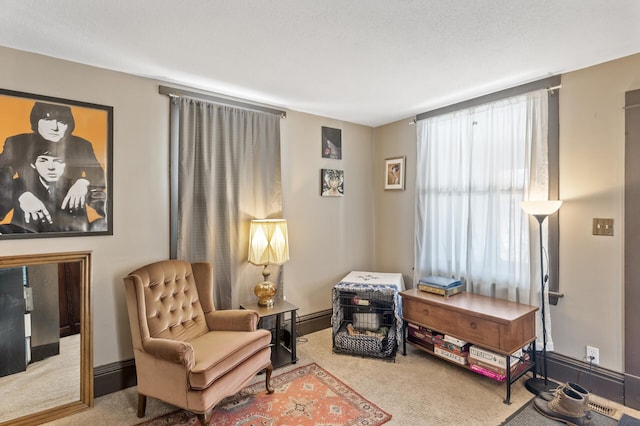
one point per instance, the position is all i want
(55, 167)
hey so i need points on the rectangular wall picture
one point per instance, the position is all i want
(55, 167)
(332, 184)
(394, 173)
(331, 143)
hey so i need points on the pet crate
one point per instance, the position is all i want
(367, 316)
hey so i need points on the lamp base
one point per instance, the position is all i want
(537, 386)
(265, 291)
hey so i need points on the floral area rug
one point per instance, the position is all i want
(304, 396)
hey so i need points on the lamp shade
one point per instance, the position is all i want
(541, 208)
(268, 242)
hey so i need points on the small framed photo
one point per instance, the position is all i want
(332, 183)
(394, 173)
(331, 143)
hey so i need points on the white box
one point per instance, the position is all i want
(493, 358)
(454, 340)
(450, 355)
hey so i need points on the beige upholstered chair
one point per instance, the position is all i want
(187, 353)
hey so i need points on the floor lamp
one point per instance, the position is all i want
(541, 210)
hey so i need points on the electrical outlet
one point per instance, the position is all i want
(593, 355)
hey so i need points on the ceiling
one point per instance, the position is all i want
(364, 61)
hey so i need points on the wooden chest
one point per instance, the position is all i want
(495, 324)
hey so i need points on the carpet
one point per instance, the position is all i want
(307, 395)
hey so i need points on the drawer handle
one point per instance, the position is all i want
(473, 325)
(425, 311)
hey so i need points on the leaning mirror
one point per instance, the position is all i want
(46, 337)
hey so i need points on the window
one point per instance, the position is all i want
(476, 163)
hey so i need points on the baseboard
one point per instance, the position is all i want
(311, 323)
(38, 353)
(114, 377)
(603, 382)
(632, 391)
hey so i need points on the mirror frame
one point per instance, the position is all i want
(86, 334)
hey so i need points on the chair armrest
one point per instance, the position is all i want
(173, 351)
(233, 320)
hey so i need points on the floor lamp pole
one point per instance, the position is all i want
(541, 210)
(536, 385)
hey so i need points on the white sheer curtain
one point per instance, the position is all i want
(228, 174)
(474, 167)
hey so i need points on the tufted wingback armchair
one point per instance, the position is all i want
(186, 352)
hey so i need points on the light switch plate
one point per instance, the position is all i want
(602, 226)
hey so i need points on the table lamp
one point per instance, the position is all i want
(268, 245)
(541, 210)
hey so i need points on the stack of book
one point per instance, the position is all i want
(491, 364)
(440, 285)
(451, 348)
(421, 335)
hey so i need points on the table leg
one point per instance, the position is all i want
(294, 337)
(278, 331)
(533, 357)
(404, 338)
(508, 380)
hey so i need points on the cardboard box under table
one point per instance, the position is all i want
(367, 314)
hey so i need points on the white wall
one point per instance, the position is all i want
(329, 236)
(140, 203)
(591, 185)
(592, 137)
(395, 209)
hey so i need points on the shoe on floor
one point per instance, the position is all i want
(566, 406)
(548, 396)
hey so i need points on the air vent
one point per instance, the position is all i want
(602, 409)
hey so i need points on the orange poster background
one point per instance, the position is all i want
(91, 124)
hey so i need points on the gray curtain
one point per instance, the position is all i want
(228, 173)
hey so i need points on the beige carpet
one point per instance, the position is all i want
(417, 389)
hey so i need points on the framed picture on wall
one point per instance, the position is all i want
(332, 183)
(55, 167)
(394, 173)
(331, 143)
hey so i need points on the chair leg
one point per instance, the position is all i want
(201, 419)
(269, 370)
(142, 405)
(205, 418)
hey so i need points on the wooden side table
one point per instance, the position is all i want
(498, 325)
(280, 354)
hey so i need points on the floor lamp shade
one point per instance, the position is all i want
(268, 245)
(541, 210)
